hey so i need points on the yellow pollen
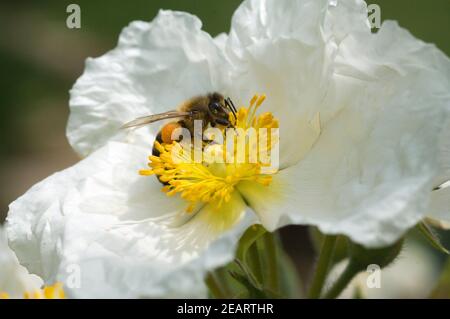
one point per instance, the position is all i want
(205, 182)
(55, 291)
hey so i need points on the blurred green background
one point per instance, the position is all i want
(40, 59)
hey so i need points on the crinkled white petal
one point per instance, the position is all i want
(154, 68)
(439, 208)
(344, 18)
(15, 279)
(392, 51)
(444, 157)
(277, 48)
(258, 20)
(118, 232)
(371, 171)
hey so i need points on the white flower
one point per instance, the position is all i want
(361, 119)
(15, 281)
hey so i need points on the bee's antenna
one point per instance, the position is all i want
(230, 102)
(231, 107)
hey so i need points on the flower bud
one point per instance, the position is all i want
(361, 257)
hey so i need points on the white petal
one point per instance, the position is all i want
(444, 158)
(346, 17)
(392, 51)
(14, 278)
(277, 48)
(221, 40)
(151, 259)
(154, 68)
(35, 221)
(287, 50)
(255, 21)
(439, 208)
(119, 232)
(370, 174)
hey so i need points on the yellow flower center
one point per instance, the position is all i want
(213, 182)
(55, 291)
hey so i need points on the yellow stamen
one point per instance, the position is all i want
(55, 291)
(205, 182)
(4, 295)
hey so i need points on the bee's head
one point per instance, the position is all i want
(218, 111)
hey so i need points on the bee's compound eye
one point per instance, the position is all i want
(215, 107)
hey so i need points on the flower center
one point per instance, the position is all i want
(214, 181)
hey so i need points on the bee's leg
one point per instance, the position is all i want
(158, 138)
(155, 152)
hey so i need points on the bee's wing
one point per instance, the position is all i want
(141, 121)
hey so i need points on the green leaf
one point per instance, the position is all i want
(290, 282)
(248, 239)
(247, 272)
(247, 279)
(253, 292)
(431, 237)
(442, 289)
(362, 256)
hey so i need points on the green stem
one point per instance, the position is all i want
(254, 260)
(271, 242)
(323, 265)
(218, 284)
(224, 280)
(214, 286)
(350, 271)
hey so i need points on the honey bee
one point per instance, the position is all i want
(212, 109)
